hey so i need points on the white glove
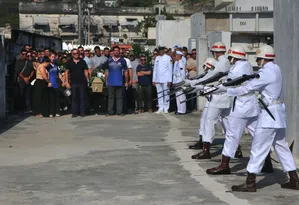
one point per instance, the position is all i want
(184, 87)
(221, 89)
(198, 87)
(188, 82)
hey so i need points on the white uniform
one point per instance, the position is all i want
(179, 74)
(268, 132)
(162, 75)
(220, 103)
(203, 118)
(246, 110)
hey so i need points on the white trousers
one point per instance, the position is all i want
(234, 132)
(202, 121)
(213, 115)
(264, 139)
(181, 108)
(163, 96)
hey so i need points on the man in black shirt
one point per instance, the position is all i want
(144, 73)
(77, 70)
(24, 73)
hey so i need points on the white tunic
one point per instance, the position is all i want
(219, 100)
(270, 86)
(246, 105)
(179, 72)
(162, 69)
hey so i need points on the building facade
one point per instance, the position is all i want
(119, 24)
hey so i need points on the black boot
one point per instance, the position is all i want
(293, 183)
(239, 153)
(248, 186)
(268, 167)
(223, 168)
(198, 145)
(205, 154)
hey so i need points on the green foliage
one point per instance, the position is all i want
(140, 50)
(150, 21)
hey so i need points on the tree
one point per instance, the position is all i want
(140, 50)
(150, 21)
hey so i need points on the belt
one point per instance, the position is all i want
(273, 102)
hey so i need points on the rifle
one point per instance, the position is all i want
(176, 87)
(188, 90)
(213, 79)
(235, 82)
(229, 82)
(240, 80)
(201, 93)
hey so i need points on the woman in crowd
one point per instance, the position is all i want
(40, 95)
(54, 94)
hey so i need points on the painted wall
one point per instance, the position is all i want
(169, 33)
(2, 81)
(286, 41)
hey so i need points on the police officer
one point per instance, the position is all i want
(162, 78)
(244, 112)
(179, 74)
(220, 103)
(269, 132)
(209, 64)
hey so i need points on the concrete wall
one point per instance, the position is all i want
(286, 41)
(246, 5)
(2, 80)
(171, 32)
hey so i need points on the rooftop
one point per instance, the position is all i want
(72, 8)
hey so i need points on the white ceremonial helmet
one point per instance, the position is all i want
(265, 52)
(236, 52)
(218, 47)
(209, 63)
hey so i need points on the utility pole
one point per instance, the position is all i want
(89, 8)
(160, 7)
(88, 27)
(79, 22)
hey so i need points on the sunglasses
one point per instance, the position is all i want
(76, 53)
(193, 53)
(142, 59)
(155, 54)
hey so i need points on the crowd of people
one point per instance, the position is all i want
(43, 77)
(50, 83)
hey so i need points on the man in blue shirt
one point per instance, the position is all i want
(116, 67)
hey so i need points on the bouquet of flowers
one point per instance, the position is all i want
(98, 72)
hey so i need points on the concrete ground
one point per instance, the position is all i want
(132, 160)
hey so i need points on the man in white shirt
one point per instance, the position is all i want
(162, 78)
(179, 74)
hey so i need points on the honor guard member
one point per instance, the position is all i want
(179, 74)
(220, 103)
(244, 111)
(271, 124)
(208, 66)
(162, 78)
